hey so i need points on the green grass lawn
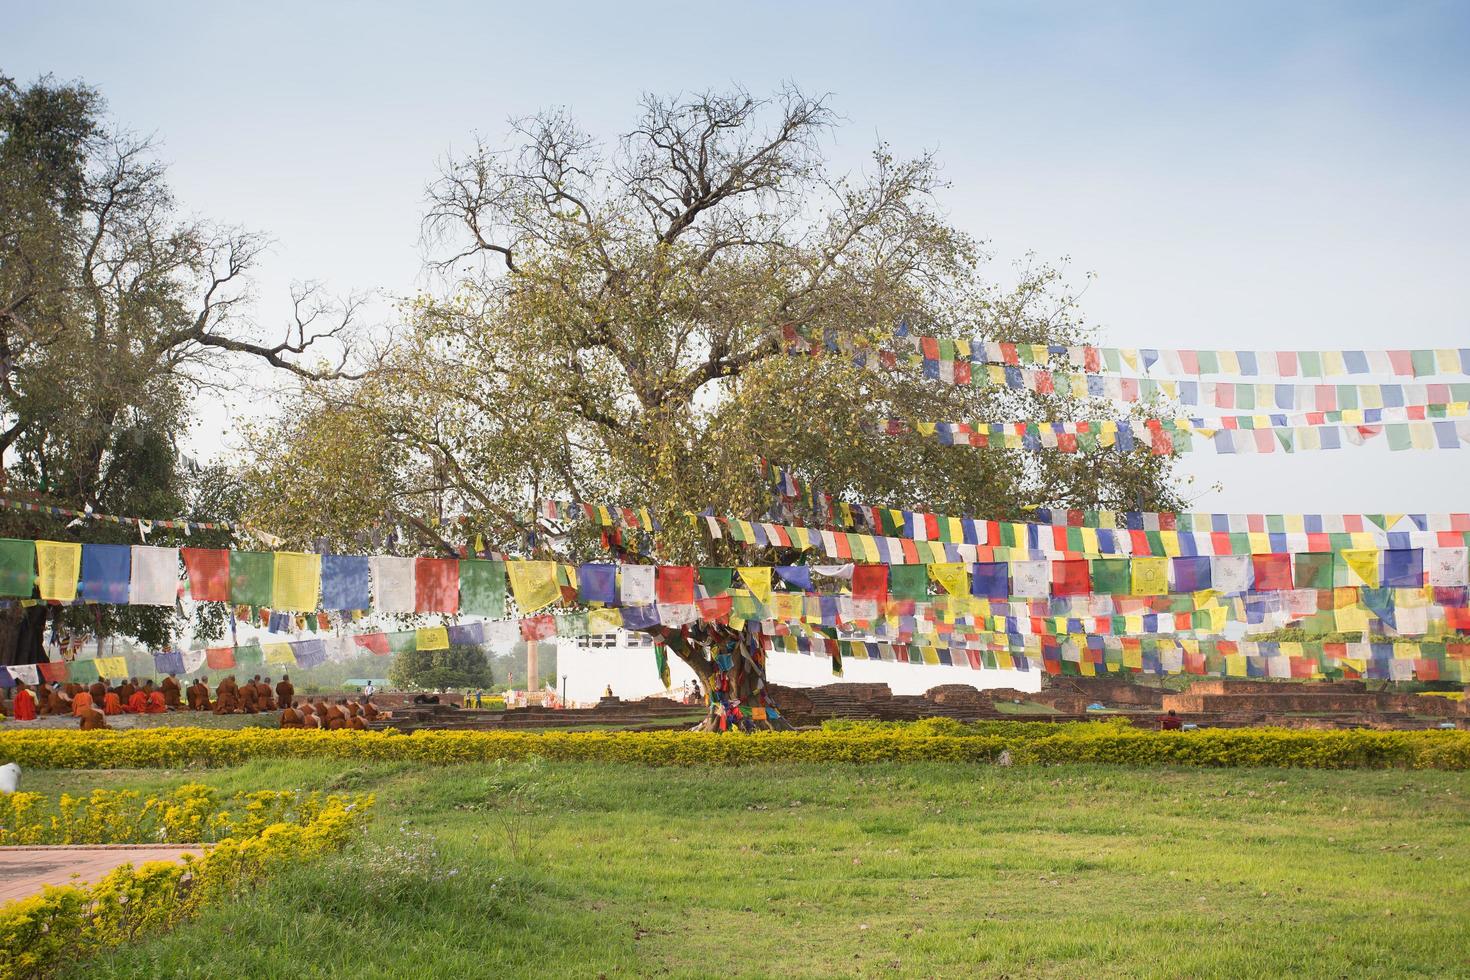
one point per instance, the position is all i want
(882, 870)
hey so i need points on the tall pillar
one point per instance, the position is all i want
(533, 674)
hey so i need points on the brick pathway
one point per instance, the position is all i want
(26, 870)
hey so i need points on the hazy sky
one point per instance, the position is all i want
(1244, 175)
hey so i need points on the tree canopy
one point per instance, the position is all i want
(609, 329)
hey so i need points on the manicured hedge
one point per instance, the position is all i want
(40, 934)
(1039, 744)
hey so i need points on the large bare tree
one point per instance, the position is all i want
(610, 329)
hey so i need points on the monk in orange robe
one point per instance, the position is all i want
(356, 724)
(198, 696)
(291, 718)
(81, 703)
(227, 697)
(308, 715)
(126, 688)
(138, 703)
(170, 690)
(369, 710)
(265, 695)
(333, 718)
(285, 690)
(98, 690)
(91, 718)
(111, 704)
(156, 703)
(249, 698)
(25, 702)
(57, 703)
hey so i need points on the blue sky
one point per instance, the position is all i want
(1240, 175)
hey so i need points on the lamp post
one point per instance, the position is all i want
(563, 690)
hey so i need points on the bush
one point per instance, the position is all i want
(41, 933)
(919, 741)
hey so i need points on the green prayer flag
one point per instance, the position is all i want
(17, 567)
(252, 577)
(482, 587)
(403, 641)
(908, 582)
(1398, 437)
(82, 672)
(716, 581)
(1314, 570)
(1423, 362)
(250, 655)
(661, 661)
(1112, 576)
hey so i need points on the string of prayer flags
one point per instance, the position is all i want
(639, 519)
(31, 507)
(1423, 362)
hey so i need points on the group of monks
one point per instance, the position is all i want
(333, 716)
(91, 704)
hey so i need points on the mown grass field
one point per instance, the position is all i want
(564, 869)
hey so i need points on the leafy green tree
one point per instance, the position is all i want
(117, 311)
(610, 330)
(457, 667)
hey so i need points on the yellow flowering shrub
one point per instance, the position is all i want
(40, 933)
(919, 741)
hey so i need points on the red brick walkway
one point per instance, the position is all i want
(26, 870)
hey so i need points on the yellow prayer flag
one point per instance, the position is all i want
(1350, 619)
(758, 580)
(1362, 565)
(1133, 657)
(278, 653)
(870, 548)
(533, 584)
(432, 638)
(931, 655)
(787, 606)
(1150, 576)
(604, 620)
(112, 666)
(298, 579)
(59, 564)
(1235, 664)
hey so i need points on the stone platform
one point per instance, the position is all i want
(25, 871)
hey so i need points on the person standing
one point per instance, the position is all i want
(285, 690)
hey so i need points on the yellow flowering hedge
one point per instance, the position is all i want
(41, 933)
(190, 814)
(921, 741)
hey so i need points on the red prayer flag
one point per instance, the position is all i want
(870, 582)
(1072, 576)
(53, 670)
(538, 628)
(209, 573)
(716, 610)
(675, 584)
(1273, 572)
(219, 658)
(376, 642)
(436, 585)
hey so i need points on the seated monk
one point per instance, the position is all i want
(57, 703)
(356, 724)
(126, 688)
(81, 703)
(265, 695)
(25, 703)
(291, 718)
(138, 703)
(98, 690)
(92, 719)
(333, 717)
(111, 704)
(369, 710)
(227, 697)
(156, 704)
(170, 691)
(285, 690)
(249, 698)
(308, 716)
(199, 696)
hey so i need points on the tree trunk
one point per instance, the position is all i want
(732, 667)
(23, 635)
